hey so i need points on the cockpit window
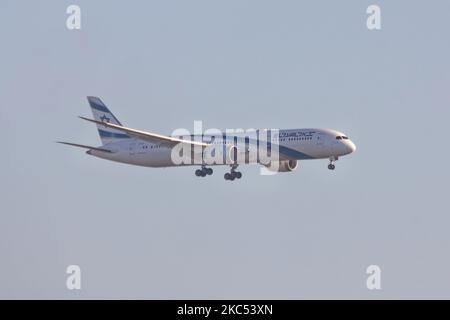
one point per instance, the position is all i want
(344, 137)
(338, 137)
(341, 137)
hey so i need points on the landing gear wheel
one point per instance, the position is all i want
(202, 172)
(209, 171)
(331, 166)
(233, 174)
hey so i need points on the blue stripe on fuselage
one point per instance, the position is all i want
(106, 134)
(283, 150)
(291, 153)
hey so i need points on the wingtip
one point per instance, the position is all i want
(62, 142)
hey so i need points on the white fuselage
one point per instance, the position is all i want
(293, 144)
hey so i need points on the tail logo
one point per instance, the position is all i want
(104, 118)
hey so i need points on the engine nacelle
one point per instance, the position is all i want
(284, 166)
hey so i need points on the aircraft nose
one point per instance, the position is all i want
(351, 146)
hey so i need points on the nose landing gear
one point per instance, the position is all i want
(331, 166)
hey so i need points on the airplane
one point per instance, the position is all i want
(136, 147)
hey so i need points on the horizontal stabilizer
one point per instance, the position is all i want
(84, 146)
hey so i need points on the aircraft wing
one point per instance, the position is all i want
(147, 136)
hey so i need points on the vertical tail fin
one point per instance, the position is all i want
(102, 113)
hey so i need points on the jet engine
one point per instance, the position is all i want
(284, 166)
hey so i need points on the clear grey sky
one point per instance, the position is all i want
(164, 233)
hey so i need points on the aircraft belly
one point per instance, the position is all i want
(160, 158)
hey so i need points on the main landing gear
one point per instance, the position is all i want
(233, 174)
(203, 172)
(331, 166)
